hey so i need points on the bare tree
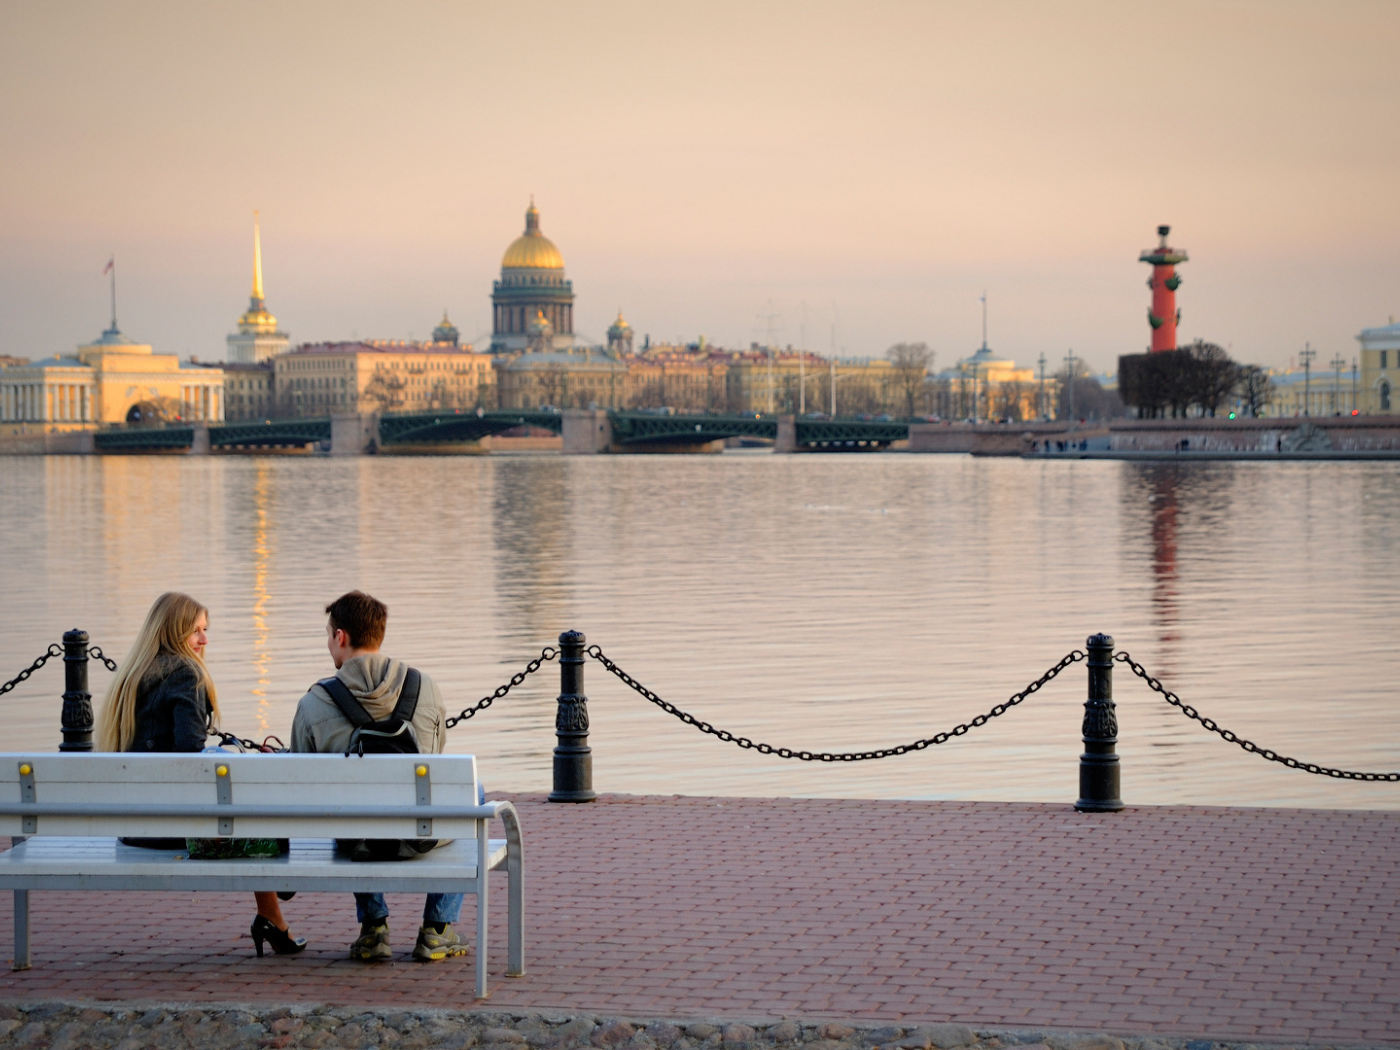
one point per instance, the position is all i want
(1254, 388)
(386, 391)
(912, 362)
(1213, 376)
(552, 382)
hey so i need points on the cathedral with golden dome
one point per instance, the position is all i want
(533, 302)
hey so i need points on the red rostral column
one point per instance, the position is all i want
(1163, 316)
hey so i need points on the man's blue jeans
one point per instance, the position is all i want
(439, 907)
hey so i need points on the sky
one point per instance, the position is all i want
(820, 174)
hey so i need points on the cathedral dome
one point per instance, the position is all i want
(532, 250)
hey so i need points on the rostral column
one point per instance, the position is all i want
(1164, 316)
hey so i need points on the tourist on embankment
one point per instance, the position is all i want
(163, 699)
(402, 708)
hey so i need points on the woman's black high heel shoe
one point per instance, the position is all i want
(283, 943)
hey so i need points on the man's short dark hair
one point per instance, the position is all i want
(360, 616)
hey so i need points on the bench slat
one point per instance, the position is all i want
(312, 865)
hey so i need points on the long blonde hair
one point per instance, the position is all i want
(165, 634)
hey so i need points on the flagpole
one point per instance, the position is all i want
(112, 269)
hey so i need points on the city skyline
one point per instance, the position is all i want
(878, 167)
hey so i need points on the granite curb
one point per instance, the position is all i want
(63, 1025)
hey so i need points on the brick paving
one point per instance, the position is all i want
(1259, 925)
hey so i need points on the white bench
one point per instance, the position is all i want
(66, 812)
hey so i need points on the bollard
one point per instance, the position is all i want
(77, 701)
(573, 758)
(1098, 765)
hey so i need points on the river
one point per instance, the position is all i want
(819, 602)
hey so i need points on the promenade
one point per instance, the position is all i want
(1249, 925)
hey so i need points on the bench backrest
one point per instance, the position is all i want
(295, 796)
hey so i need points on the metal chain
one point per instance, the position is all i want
(547, 654)
(834, 756)
(244, 744)
(97, 654)
(54, 650)
(1248, 745)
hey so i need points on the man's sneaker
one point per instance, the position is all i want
(373, 942)
(432, 945)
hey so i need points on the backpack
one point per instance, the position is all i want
(391, 736)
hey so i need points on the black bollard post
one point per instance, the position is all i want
(1098, 765)
(573, 758)
(77, 701)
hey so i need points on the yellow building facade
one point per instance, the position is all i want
(322, 379)
(112, 380)
(1379, 391)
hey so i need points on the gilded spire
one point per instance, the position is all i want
(257, 260)
(256, 319)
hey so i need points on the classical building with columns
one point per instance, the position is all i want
(110, 380)
(532, 289)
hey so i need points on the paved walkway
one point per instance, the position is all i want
(1244, 924)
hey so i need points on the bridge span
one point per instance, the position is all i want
(584, 432)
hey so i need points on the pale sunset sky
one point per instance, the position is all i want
(870, 165)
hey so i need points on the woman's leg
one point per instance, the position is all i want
(270, 909)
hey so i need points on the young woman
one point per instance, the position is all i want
(162, 699)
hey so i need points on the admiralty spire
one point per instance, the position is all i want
(257, 338)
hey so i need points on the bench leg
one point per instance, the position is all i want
(515, 963)
(483, 881)
(21, 930)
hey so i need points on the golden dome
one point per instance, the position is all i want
(257, 318)
(532, 250)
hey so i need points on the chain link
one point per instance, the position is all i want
(54, 650)
(547, 654)
(97, 654)
(1253, 748)
(1073, 657)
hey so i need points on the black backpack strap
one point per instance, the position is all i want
(408, 697)
(345, 700)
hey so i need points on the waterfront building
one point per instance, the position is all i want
(1380, 369)
(320, 379)
(587, 377)
(532, 286)
(1313, 392)
(248, 391)
(258, 338)
(985, 385)
(11, 361)
(110, 380)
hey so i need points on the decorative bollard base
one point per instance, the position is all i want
(1098, 766)
(573, 758)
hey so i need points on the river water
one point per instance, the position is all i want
(818, 602)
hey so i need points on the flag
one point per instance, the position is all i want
(108, 268)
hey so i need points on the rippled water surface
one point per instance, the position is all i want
(816, 602)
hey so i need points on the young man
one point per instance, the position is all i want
(354, 632)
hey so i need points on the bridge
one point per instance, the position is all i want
(458, 426)
(636, 430)
(598, 431)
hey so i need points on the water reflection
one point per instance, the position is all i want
(822, 602)
(531, 536)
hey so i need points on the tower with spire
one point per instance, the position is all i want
(257, 339)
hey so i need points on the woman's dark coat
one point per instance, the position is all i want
(172, 710)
